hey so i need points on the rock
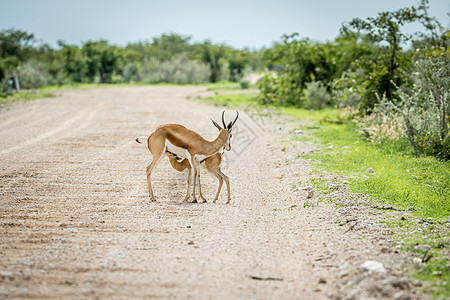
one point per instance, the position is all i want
(419, 264)
(400, 283)
(422, 248)
(417, 261)
(310, 194)
(352, 294)
(346, 147)
(373, 267)
(402, 296)
(190, 243)
(370, 170)
(323, 281)
(305, 188)
(298, 131)
(359, 279)
(343, 273)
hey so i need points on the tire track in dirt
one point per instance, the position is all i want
(64, 126)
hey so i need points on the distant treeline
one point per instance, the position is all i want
(166, 59)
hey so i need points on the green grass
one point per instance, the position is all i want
(399, 179)
(45, 92)
(26, 96)
(233, 100)
(223, 85)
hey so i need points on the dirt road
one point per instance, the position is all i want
(76, 221)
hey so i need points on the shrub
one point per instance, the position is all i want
(34, 74)
(422, 114)
(426, 107)
(245, 84)
(317, 96)
(383, 125)
(276, 89)
(130, 72)
(179, 70)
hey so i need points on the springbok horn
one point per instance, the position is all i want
(237, 116)
(223, 120)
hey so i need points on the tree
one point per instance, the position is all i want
(384, 71)
(102, 60)
(211, 55)
(300, 62)
(73, 61)
(237, 62)
(15, 45)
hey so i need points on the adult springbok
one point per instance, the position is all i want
(211, 163)
(187, 144)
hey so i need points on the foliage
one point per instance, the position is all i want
(380, 72)
(317, 96)
(15, 46)
(298, 62)
(179, 70)
(425, 108)
(170, 58)
(382, 126)
(34, 74)
(236, 64)
(245, 84)
(211, 56)
(73, 63)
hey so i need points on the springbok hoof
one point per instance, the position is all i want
(194, 201)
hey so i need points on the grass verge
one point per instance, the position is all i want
(45, 92)
(51, 91)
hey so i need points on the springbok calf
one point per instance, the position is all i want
(187, 144)
(211, 163)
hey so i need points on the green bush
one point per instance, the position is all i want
(179, 70)
(422, 113)
(317, 96)
(130, 72)
(245, 84)
(434, 145)
(34, 74)
(426, 107)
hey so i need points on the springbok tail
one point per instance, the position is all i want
(141, 138)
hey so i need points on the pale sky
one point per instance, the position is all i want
(236, 23)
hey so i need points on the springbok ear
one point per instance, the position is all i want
(217, 125)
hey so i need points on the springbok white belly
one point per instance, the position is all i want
(177, 150)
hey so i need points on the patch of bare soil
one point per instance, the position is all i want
(77, 221)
